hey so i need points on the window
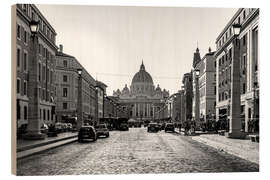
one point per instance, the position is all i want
(25, 61)
(65, 63)
(19, 31)
(239, 20)
(25, 37)
(44, 114)
(43, 73)
(215, 90)
(25, 112)
(64, 78)
(215, 63)
(244, 40)
(18, 86)
(244, 88)
(24, 88)
(39, 71)
(48, 114)
(51, 77)
(230, 53)
(64, 105)
(244, 61)
(244, 14)
(18, 57)
(43, 94)
(18, 109)
(64, 92)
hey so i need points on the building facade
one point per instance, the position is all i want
(67, 90)
(142, 100)
(29, 76)
(187, 96)
(207, 87)
(195, 86)
(248, 18)
(101, 92)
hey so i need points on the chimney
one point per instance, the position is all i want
(61, 48)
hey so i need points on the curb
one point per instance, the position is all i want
(27, 147)
(39, 149)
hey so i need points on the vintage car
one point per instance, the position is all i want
(153, 127)
(169, 127)
(86, 133)
(102, 130)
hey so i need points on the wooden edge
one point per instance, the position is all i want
(13, 90)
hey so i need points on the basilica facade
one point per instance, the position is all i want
(143, 101)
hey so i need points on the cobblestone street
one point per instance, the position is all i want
(133, 151)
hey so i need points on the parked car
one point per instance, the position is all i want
(152, 127)
(64, 127)
(44, 128)
(87, 132)
(69, 126)
(169, 127)
(102, 130)
(58, 127)
(124, 127)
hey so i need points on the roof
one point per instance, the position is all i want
(142, 76)
(63, 54)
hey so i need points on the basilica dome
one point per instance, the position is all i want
(142, 76)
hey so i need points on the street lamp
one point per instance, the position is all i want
(33, 127)
(236, 29)
(79, 100)
(197, 100)
(235, 99)
(197, 72)
(34, 27)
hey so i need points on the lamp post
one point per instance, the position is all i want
(79, 101)
(255, 85)
(235, 121)
(197, 99)
(33, 127)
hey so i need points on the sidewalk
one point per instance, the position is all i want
(242, 148)
(29, 147)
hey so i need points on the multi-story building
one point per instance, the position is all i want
(109, 107)
(182, 105)
(174, 107)
(248, 18)
(195, 86)
(207, 86)
(187, 100)
(34, 82)
(67, 90)
(101, 92)
(143, 101)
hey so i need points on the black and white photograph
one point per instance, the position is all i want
(113, 90)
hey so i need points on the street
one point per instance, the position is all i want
(132, 152)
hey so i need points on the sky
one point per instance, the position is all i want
(111, 41)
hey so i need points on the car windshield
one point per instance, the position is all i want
(169, 125)
(86, 128)
(101, 126)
